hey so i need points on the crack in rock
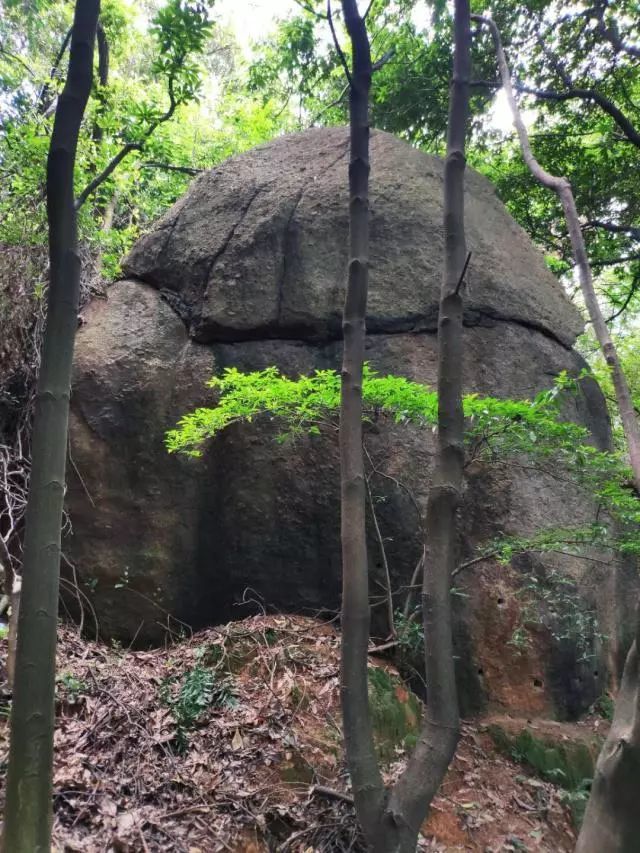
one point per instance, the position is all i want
(287, 229)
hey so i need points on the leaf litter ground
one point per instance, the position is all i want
(230, 740)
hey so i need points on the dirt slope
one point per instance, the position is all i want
(226, 741)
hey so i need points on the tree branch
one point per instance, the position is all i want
(633, 289)
(611, 32)
(339, 50)
(15, 58)
(168, 167)
(330, 106)
(386, 57)
(308, 8)
(612, 262)
(562, 187)
(127, 149)
(572, 93)
(614, 228)
(43, 103)
(103, 55)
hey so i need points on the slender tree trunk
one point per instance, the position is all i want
(367, 784)
(411, 797)
(562, 187)
(391, 820)
(612, 820)
(29, 780)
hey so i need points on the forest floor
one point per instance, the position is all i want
(230, 741)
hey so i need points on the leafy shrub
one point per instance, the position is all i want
(495, 430)
(189, 696)
(564, 613)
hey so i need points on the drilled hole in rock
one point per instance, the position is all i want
(480, 671)
(500, 600)
(537, 682)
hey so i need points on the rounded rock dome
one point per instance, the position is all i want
(257, 247)
(248, 270)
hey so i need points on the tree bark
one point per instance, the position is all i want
(368, 789)
(612, 819)
(409, 801)
(391, 820)
(29, 779)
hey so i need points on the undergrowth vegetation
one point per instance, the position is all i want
(190, 694)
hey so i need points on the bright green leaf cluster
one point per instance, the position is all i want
(497, 430)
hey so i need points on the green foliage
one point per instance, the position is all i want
(604, 706)
(410, 635)
(307, 403)
(496, 431)
(567, 764)
(563, 612)
(190, 695)
(395, 713)
(577, 799)
(175, 88)
(70, 688)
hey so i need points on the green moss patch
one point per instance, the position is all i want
(565, 761)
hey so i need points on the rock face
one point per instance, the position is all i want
(248, 269)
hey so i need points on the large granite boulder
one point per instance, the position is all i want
(248, 269)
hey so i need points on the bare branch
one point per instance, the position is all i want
(339, 50)
(383, 550)
(168, 167)
(127, 149)
(308, 8)
(461, 280)
(614, 228)
(43, 99)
